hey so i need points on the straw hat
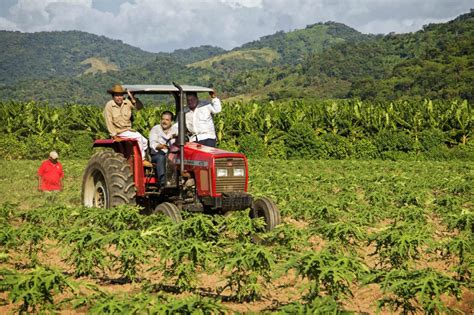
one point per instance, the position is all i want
(54, 155)
(116, 89)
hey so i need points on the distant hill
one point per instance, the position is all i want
(194, 54)
(262, 56)
(324, 60)
(294, 46)
(435, 62)
(26, 56)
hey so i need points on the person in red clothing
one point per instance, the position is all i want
(50, 174)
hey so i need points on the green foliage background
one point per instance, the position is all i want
(413, 130)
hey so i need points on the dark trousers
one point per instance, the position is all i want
(208, 142)
(159, 160)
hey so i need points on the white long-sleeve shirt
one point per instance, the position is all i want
(199, 122)
(159, 136)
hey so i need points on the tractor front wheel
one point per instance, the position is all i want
(267, 209)
(170, 210)
(108, 181)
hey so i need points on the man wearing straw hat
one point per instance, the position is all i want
(118, 113)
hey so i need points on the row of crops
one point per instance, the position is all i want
(436, 130)
(358, 236)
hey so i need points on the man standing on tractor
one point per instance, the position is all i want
(118, 118)
(199, 118)
(161, 137)
(50, 174)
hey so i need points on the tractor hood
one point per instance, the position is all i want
(197, 154)
(216, 171)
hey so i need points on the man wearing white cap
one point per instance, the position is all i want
(118, 114)
(50, 174)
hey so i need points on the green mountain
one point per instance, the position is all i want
(324, 60)
(435, 62)
(194, 54)
(296, 45)
(63, 54)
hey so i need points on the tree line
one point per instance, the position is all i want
(346, 129)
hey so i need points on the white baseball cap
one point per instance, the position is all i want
(54, 155)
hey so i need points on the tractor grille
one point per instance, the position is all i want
(230, 183)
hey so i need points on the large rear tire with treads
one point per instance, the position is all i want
(108, 181)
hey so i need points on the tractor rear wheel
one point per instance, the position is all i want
(108, 181)
(170, 210)
(267, 209)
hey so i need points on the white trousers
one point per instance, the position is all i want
(142, 141)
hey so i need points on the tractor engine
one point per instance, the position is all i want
(220, 177)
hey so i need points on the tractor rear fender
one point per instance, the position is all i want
(131, 151)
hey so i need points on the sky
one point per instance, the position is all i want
(166, 25)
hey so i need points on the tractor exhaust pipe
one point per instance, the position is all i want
(181, 126)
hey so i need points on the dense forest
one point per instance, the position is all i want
(323, 61)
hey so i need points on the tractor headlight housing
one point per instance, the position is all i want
(221, 172)
(240, 172)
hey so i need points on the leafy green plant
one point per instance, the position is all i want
(200, 226)
(318, 306)
(410, 213)
(301, 141)
(37, 289)
(327, 272)
(116, 219)
(122, 304)
(336, 146)
(346, 233)
(181, 260)
(31, 238)
(86, 250)
(288, 240)
(364, 149)
(252, 145)
(245, 264)
(195, 305)
(460, 250)
(410, 291)
(146, 303)
(7, 211)
(398, 245)
(463, 221)
(240, 227)
(134, 250)
(8, 236)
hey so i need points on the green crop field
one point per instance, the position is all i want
(358, 236)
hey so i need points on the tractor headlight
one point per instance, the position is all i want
(239, 172)
(221, 172)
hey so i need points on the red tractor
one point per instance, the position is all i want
(198, 178)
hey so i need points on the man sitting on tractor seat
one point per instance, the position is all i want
(199, 118)
(118, 113)
(161, 138)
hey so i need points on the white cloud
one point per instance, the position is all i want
(31, 14)
(164, 25)
(243, 3)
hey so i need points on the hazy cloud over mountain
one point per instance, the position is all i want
(165, 25)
